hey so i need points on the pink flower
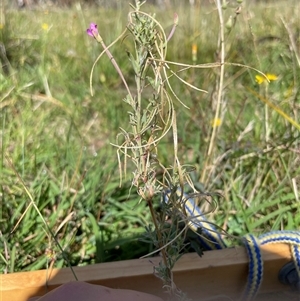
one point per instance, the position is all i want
(92, 30)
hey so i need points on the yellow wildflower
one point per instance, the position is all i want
(45, 26)
(216, 122)
(271, 76)
(194, 52)
(261, 79)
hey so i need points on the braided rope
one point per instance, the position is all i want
(211, 239)
(255, 273)
(295, 249)
(288, 237)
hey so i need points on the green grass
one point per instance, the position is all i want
(55, 136)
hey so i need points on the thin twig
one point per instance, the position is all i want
(220, 90)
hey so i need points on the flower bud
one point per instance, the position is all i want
(238, 10)
(194, 53)
(176, 19)
(229, 23)
(224, 4)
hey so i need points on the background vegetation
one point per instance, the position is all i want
(55, 136)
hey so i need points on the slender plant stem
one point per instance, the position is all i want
(159, 236)
(138, 121)
(267, 127)
(113, 61)
(220, 90)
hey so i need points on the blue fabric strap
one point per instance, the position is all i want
(211, 239)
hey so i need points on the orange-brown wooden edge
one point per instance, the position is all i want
(221, 272)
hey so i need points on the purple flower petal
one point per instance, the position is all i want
(92, 30)
(93, 26)
(89, 32)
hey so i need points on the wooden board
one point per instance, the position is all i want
(217, 273)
